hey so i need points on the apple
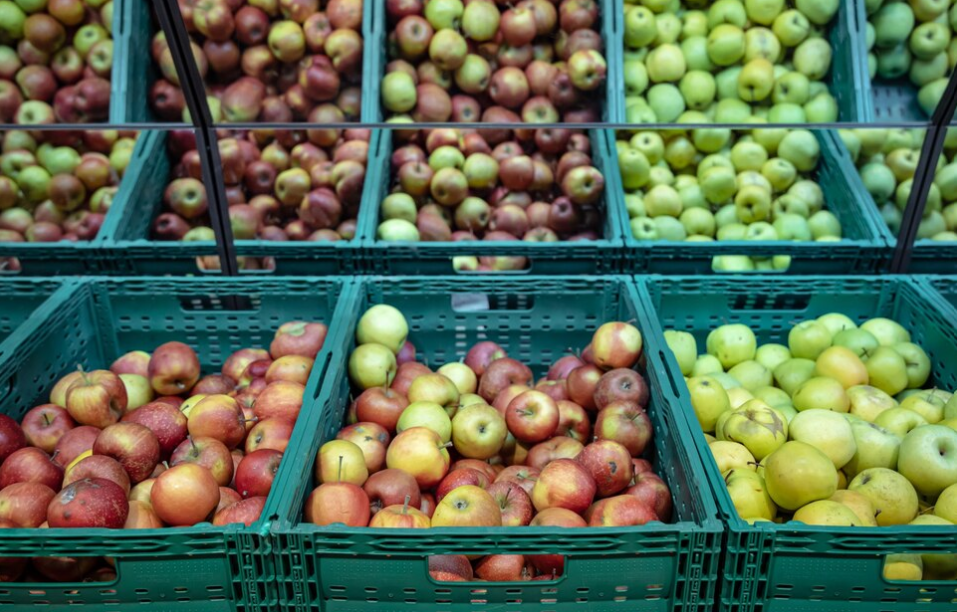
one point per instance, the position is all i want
(609, 464)
(436, 389)
(401, 516)
(246, 511)
(208, 453)
(383, 324)
(616, 345)
(44, 425)
(74, 442)
(185, 494)
(96, 398)
(341, 461)
(174, 368)
(620, 511)
(482, 354)
(532, 416)
(621, 385)
(654, 493)
(709, 401)
(573, 421)
(564, 483)
(24, 504)
(502, 568)
(826, 431)
(133, 362)
(756, 425)
(298, 338)
(625, 423)
(30, 465)
(256, 472)
(372, 365)
(133, 446)
(337, 502)
(893, 497)
(420, 452)
(91, 502)
(391, 487)
(501, 373)
(581, 385)
(467, 506)
(96, 466)
(381, 406)
(927, 459)
(281, 399)
(797, 474)
(478, 431)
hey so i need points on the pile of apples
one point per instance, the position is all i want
(537, 61)
(833, 428)
(152, 442)
(886, 159)
(284, 185)
(914, 39)
(479, 443)
(56, 57)
(728, 61)
(489, 186)
(712, 184)
(59, 186)
(267, 60)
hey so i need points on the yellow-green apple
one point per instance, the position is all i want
(184, 495)
(619, 511)
(461, 375)
(275, 434)
(858, 504)
(573, 421)
(460, 477)
(522, 475)
(502, 568)
(501, 373)
(174, 369)
(532, 416)
(341, 461)
(337, 502)
(868, 402)
(946, 506)
(383, 324)
(798, 474)
(756, 425)
(625, 423)
(621, 385)
(257, 471)
(843, 365)
(894, 498)
(772, 355)
(609, 464)
(616, 345)
(482, 354)
(372, 365)
(928, 459)
(426, 414)
(298, 338)
(937, 566)
(371, 438)
(581, 384)
(564, 483)
(292, 368)
(218, 417)
(861, 342)
(390, 487)
(133, 445)
(97, 466)
(478, 431)
(903, 567)
(467, 506)
(827, 431)
(709, 401)
(887, 370)
(245, 511)
(749, 494)
(654, 493)
(738, 396)
(435, 388)
(559, 447)
(42, 427)
(731, 344)
(828, 513)
(918, 363)
(78, 440)
(91, 502)
(421, 453)
(25, 504)
(684, 347)
(31, 464)
(808, 339)
(731, 456)
(138, 390)
(793, 373)
(134, 362)
(928, 404)
(513, 502)
(822, 393)
(381, 406)
(281, 399)
(401, 516)
(751, 375)
(887, 332)
(899, 421)
(208, 453)
(96, 398)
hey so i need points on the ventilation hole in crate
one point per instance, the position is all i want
(621, 589)
(516, 602)
(180, 590)
(892, 590)
(513, 591)
(142, 591)
(817, 589)
(928, 590)
(620, 598)
(372, 590)
(443, 591)
(342, 599)
(583, 590)
(408, 591)
(581, 600)
(858, 589)
(411, 601)
(550, 600)
(549, 591)
(337, 589)
(443, 601)
(214, 589)
(372, 599)
(652, 597)
(785, 587)
(478, 591)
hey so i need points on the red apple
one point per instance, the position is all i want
(256, 472)
(96, 398)
(247, 512)
(513, 501)
(639, 466)
(476, 464)
(654, 493)
(281, 399)
(621, 385)
(616, 345)
(133, 445)
(98, 466)
(166, 422)
(559, 447)
(44, 425)
(564, 483)
(208, 453)
(25, 503)
(134, 362)
(500, 374)
(371, 438)
(227, 497)
(505, 397)
(522, 475)
(236, 363)
(502, 568)
(557, 517)
(214, 384)
(91, 502)
(482, 354)
(73, 443)
(625, 423)
(573, 421)
(298, 338)
(382, 406)
(620, 511)
(218, 417)
(563, 367)
(292, 368)
(581, 384)
(390, 487)
(31, 465)
(554, 389)
(532, 416)
(401, 516)
(173, 369)
(184, 495)
(271, 433)
(12, 437)
(458, 565)
(458, 478)
(609, 463)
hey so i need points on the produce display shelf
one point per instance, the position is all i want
(202, 568)
(435, 258)
(375, 30)
(653, 567)
(864, 248)
(789, 567)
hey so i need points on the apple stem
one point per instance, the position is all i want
(56, 452)
(405, 506)
(83, 375)
(46, 419)
(447, 445)
(191, 443)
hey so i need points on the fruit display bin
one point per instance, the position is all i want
(652, 567)
(133, 70)
(771, 567)
(19, 298)
(944, 287)
(864, 248)
(848, 79)
(435, 258)
(375, 32)
(202, 568)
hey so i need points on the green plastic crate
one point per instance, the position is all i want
(19, 300)
(133, 68)
(652, 567)
(601, 256)
(863, 250)
(794, 567)
(847, 79)
(375, 31)
(945, 288)
(213, 568)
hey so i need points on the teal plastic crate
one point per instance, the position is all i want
(945, 289)
(794, 567)
(19, 300)
(133, 68)
(435, 258)
(657, 566)
(201, 568)
(375, 31)
(847, 81)
(863, 250)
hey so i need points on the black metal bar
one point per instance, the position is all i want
(208, 146)
(190, 81)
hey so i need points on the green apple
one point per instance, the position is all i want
(868, 402)
(634, 168)
(929, 10)
(635, 206)
(756, 425)
(827, 513)
(924, 71)
(821, 392)
(732, 344)
(666, 101)
(792, 227)
(732, 263)
(808, 339)
(643, 228)
(899, 421)
(695, 51)
(398, 92)
(808, 192)
(875, 446)
(946, 506)
(698, 222)
(480, 20)
(927, 403)
(712, 140)
(732, 110)
(836, 322)
(669, 29)
(726, 44)
(791, 88)
(793, 373)
(684, 347)
(749, 494)
(727, 11)
(798, 474)
(929, 39)
(640, 27)
(852, 142)
(772, 355)
(907, 567)
(824, 224)
(692, 196)
(860, 341)
(928, 97)
(879, 181)
(699, 89)
(819, 12)
(372, 365)
(761, 43)
(426, 414)
(918, 363)
(670, 228)
(827, 431)
(752, 177)
(706, 365)
(384, 325)
(709, 401)
(950, 408)
(443, 14)
(660, 175)
(718, 184)
(801, 148)
(763, 11)
(893, 23)
(636, 77)
(666, 63)
(887, 370)
(731, 456)
(887, 332)
(787, 113)
(821, 108)
(751, 374)
(694, 23)
(12, 19)
(937, 566)
(931, 226)
(727, 83)
(752, 203)
(763, 231)
(662, 200)
(791, 27)
(773, 397)
(399, 206)
(894, 498)
(812, 58)
(397, 230)
(928, 459)
(651, 144)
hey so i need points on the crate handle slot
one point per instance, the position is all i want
(484, 302)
